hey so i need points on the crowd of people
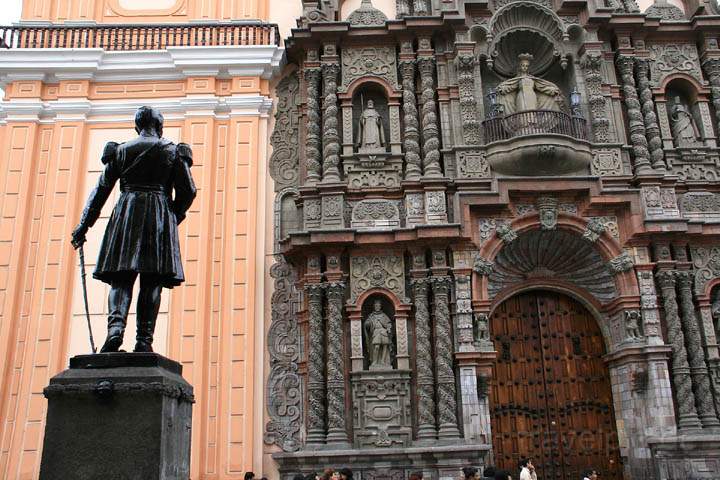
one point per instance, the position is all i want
(526, 467)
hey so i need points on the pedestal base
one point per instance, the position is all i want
(686, 456)
(118, 416)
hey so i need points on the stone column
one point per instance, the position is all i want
(711, 66)
(445, 376)
(591, 64)
(337, 431)
(682, 384)
(466, 87)
(696, 356)
(316, 367)
(312, 130)
(430, 131)
(635, 118)
(411, 142)
(652, 130)
(331, 136)
(424, 362)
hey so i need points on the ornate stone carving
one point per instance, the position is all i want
(706, 261)
(284, 386)
(610, 224)
(652, 130)
(366, 15)
(316, 366)
(591, 64)
(638, 139)
(375, 214)
(431, 140)
(361, 61)
(331, 136)
(482, 266)
(711, 66)
(505, 232)
(435, 207)
(487, 228)
(632, 326)
(312, 130)
(333, 215)
(468, 105)
(665, 11)
(696, 172)
(411, 141)
(335, 364)
(595, 227)
(548, 212)
(621, 263)
(680, 368)
(703, 206)
(284, 139)
(606, 163)
(669, 58)
(424, 361)
(421, 8)
(482, 328)
(402, 8)
(569, 258)
(472, 164)
(414, 209)
(382, 409)
(446, 390)
(380, 271)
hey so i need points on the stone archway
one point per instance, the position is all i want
(551, 397)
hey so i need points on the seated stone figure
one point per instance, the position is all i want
(526, 92)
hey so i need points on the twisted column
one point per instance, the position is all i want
(712, 70)
(468, 109)
(681, 381)
(337, 431)
(591, 65)
(424, 362)
(696, 356)
(331, 136)
(431, 140)
(411, 141)
(316, 367)
(652, 130)
(312, 131)
(635, 119)
(444, 374)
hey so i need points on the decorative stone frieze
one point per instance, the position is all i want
(284, 162)
(591, 64)
(468, 105)
(606, 162)
(375, 214)
(374, 61)
(375, 394)
(435, 207)
(333, 211)
(665, 11)
(463, 314)
(668, 58)
(378, 271)
(702, 206)
(711, 66)
(366, 15)
(472, 164)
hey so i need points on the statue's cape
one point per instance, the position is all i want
(546, 92)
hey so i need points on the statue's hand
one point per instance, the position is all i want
(78, 236)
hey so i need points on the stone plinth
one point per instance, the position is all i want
(686, 456)
(118, 416)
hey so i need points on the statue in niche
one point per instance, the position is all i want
(683, 126)
(378, 332)
(526, 92)
(371, 133)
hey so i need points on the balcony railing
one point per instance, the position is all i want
(533, 122)
(140, 36)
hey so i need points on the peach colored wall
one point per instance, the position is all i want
(212, 323)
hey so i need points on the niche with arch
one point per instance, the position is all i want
(370, 92)
(379, 326)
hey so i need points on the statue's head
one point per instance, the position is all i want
(370, 104)
(524, 60)
(148, 118)
(377, 305)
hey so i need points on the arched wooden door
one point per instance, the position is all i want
(550, 391)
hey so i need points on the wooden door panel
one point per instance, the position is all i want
(551, 396)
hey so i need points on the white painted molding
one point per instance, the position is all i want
(174, 63)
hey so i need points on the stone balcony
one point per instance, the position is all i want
(537, 143)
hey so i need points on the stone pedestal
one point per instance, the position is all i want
(118, 416)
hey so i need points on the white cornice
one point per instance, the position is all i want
(173, 63)
(94, 111)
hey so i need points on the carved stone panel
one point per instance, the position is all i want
(703, 206)
(672, 57)
(284, 140)
(435, 207)
(382, 409)
(375, 214)
(606, 163)
(333, 211)
(375, 61)
(472, 164)
(377, 271)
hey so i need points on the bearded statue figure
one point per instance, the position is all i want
(378, 334)
(526, 92)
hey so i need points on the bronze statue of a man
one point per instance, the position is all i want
(141, 237)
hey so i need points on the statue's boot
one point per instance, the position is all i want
(118, 306)
(147, 312)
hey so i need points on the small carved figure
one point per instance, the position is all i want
(683, 126)
(632, 325)
(141, 237)
(378, 331)
(526, 92)
(482, 329)
(371, 134)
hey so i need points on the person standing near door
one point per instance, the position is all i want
(590, 474)
(527, 470)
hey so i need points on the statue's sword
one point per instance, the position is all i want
(84, 287)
